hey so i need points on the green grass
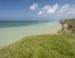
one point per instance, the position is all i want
(42, 46)
(69, 21)
(72, 22)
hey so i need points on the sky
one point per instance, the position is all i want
(36, 9)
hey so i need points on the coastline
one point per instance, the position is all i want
(12, 34)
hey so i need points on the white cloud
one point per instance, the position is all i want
(64, 9)
(55, 11)
(40, 12)
(50, 9)
(46, 7)
(72, 10)
(34, 7)
(71, 13)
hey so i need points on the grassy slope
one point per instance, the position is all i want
(42, 46)
(72, 22)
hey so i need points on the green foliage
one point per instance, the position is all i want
(69, 21)
(42, 46)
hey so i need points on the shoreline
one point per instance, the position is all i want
(12, 34)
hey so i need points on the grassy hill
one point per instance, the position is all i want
(42, 46)
(69, 21)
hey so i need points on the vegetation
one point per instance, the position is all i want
(42, 46)
(70, 22)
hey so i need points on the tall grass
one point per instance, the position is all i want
(42, 46)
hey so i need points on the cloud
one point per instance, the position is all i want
(72, 10)
(40, 13)
(48, 9)
(34, 7)
(55, 11)
(64, 9)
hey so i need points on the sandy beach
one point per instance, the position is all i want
(9, 35)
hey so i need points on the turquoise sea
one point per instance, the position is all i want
(17, 23)
(11, 31)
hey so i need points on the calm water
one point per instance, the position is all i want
(10, 31)
(17, 23)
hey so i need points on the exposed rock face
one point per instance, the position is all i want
(66, 27)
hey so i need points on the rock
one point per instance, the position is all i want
(66, 27)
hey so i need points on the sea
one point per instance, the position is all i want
(11, 31)
(17, 23)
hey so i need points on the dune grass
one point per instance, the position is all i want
(42, 46)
